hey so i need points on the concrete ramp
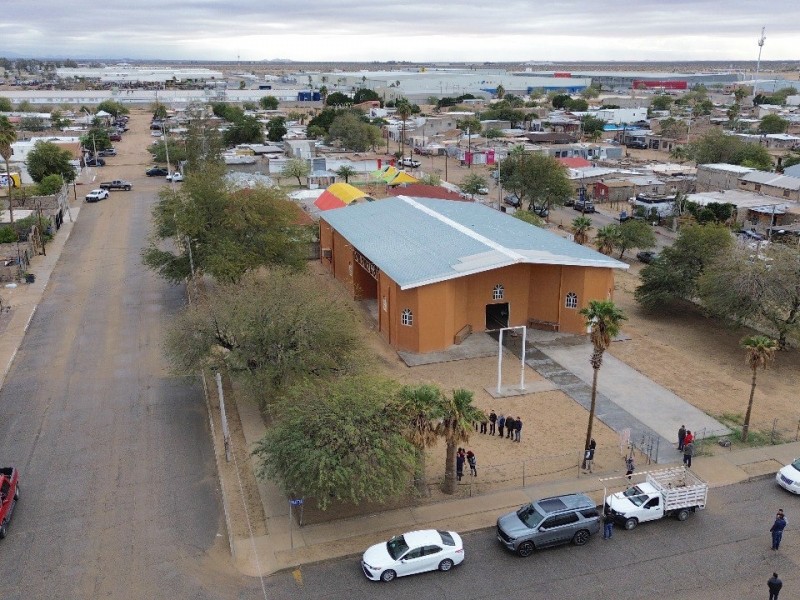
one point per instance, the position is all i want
(652, 405)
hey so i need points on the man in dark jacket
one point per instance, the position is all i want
(510, 425)
(492, 422)
(517, 429)
(777, 529)
(608, 524)
(681, 436)
(774, 584)
(500, 424)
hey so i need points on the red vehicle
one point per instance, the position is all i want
(9, 494)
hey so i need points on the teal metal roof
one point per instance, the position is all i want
(419, 241)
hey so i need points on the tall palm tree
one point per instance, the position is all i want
(403, 108)
(346, 172)
(607, 238)
(603, 319)
(760, 350)
(580, 229)
(423, 407)
(500, 91)
(458, 414)
(8, 135)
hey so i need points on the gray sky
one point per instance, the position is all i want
(415, 30)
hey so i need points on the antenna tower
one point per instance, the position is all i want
(758, 64)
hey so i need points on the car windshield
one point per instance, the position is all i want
(397, 547)
(796, 464)
(635, 495)
(530, 516)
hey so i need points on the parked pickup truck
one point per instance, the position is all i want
(668, 492)
(9, 494)
(410, 163)
(117, 184)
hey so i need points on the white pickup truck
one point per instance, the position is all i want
(668, 492)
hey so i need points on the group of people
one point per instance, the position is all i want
(686, 445)
(505, 426)
(467, 456)
(774, 583)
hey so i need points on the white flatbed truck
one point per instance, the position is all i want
(668, 492)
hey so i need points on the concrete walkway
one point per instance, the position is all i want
(626, 399)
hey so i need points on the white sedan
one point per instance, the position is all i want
(176, 176)
(789, 477)
(96, 195)
(411, 553)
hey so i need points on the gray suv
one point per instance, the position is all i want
(549, 522)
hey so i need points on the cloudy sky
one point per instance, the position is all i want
(414, 30)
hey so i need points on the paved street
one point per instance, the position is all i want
(118, 487)
(722, 553)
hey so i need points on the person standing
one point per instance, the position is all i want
(588, 458)
(510, 425)
(681, 436)
(629, 467)
(460, 464)
(517, 429)
(688, 451)
(492, 422)
(484, 423)
(500, 424)
(608, 524)
(774, 584)
(777, 529)
(689, 437)
(472, 462)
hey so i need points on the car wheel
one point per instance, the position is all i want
(388, 575)
(631, 524)
(581, 538)
(446, 565)
(683, 515)
(127, 188)
(3, 530)
(525, 549)
(16, 493)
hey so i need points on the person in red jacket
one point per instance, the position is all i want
(689, 437)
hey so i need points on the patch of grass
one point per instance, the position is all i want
(756, 437)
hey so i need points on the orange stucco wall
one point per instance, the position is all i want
(441, 310)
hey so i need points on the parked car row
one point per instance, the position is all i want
(568, 518)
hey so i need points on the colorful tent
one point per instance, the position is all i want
(402, 177)
(339, 195)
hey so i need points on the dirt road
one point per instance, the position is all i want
(119, 491)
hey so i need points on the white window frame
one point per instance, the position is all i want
(498, 292)
(407, 317)
(571, 300)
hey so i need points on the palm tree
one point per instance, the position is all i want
(346, 172)
(500, 91)
(423, 406)
(403, 108)
(458, 414)
(580, 229)
(760, 350)
(603, 319)
(607, 238)
(8, 135)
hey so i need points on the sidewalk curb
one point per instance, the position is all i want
(45, 280)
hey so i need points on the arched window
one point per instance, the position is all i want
(572, 300)
(407, 317)
(498, 292)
